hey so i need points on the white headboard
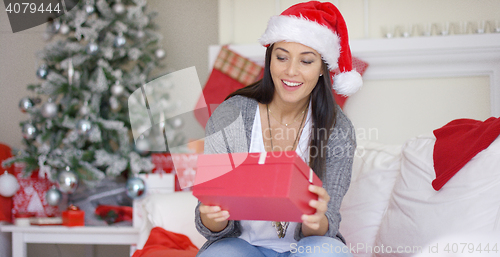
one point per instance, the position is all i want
(417, 59)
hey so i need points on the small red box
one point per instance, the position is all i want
(256, 186)
(73, 217)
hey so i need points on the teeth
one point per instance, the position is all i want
(291, 84)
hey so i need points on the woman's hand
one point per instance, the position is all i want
(213, 217)
(317, 223)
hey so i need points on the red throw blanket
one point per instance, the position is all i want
(458, 142)
(5, 202)
(163, 243)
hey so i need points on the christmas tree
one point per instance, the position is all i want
(105, 50)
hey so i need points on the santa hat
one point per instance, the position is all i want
(321, 27)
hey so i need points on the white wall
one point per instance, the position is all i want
(392, 111)
(396, 109)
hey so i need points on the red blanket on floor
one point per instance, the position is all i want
(458, 142)
(163, 243)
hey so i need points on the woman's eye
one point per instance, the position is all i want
(307, 62)
(281, 58)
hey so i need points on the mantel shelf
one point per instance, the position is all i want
(451, 43)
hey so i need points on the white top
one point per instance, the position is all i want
(262, 233)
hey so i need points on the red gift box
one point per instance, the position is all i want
(73, 217)
(185, 170)
(30, 198)
(183, 165)
(256, 186)
(163, 162)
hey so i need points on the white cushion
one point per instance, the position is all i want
(468, 203)
(374, 173)
(173, 212)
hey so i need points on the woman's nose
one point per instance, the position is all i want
(292, 68)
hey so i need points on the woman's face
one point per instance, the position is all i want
(295, 69)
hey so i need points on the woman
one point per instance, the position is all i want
(291, 108)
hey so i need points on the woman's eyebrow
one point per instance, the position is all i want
(308, 52)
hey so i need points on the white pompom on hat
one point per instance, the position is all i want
(321, 27)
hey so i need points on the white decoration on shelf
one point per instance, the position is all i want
(8, 185)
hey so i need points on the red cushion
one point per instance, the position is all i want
(165, 244)
(458, 142)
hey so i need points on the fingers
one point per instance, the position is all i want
(321, 192)
(218, 216)
(214, 213)
(312, 221)
(321, 205)
(209, 209)
(312, 225)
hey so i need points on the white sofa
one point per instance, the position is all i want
(391, 205)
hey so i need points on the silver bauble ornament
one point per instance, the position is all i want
(8, 185)
(64, 29)
(135, 187)
(120, 41)
(53, 196)
(53, 27)
(114, 104)
(119, 8)
(117, 89)
(84, 110)
(29, 131)
(67, 181)
(140, 34)
(49, 110)
(26, 104)
(56, 26)
(83, 126)
(142, 146)
(160, 53)
(92, 48)
(89, 9)
(42, 71)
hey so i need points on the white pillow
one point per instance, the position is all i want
(468, 203)
(374, 173)
(173, 212)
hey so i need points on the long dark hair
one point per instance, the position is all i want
(323, 106)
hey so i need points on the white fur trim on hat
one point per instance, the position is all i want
(347, 83)
(306, 32)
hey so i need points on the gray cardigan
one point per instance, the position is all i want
(235, 118)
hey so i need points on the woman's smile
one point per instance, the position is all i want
(291, 86)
